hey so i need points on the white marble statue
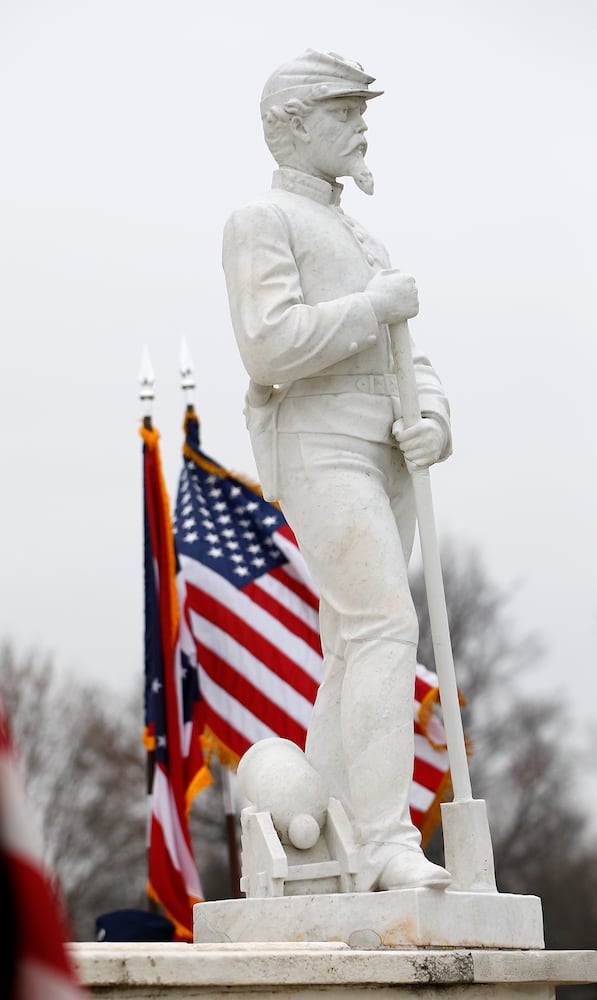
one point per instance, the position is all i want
(311, 295)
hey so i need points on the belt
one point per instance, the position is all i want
(332, 385)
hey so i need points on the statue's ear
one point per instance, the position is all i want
(298, 130)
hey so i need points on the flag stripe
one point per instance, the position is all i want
(425, 774)
(243, 725)
(278, 660)
(295, 584)
(240, 667)
(305, 661)
(265, 593)
(260, 705)
(436, 758)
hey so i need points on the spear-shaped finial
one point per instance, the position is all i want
(187, 376)
(146, 381)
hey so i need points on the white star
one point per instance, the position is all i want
(254, 549)
(268, 521)
(229, 532)
(249, 534)
(156, 686)
(161, 741)
(234, 492)
(191, 536)
(207, 523)
(232, 545)
(223, 519)
(211, 538)
(241, 571)
(215, 553)
(252, 505)
(220, 505)
(258, 563)
(215, 492)
(237, 558)
(190, 521)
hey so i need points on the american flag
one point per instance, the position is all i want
(34, 962)
(250, 624)
(172, 707)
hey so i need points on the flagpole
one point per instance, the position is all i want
(231, 831)
(146, 396)
(187, 383)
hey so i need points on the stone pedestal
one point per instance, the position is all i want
(305, 971)
(408, 918)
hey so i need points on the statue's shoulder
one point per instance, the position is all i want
(266, 210)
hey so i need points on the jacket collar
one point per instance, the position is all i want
(297, 182)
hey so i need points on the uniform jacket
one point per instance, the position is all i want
(296, 271)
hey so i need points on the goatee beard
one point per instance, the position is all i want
(360, 173)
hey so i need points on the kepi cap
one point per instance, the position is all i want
(319, 76)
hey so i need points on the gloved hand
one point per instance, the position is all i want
(423, 443)
(393, 295)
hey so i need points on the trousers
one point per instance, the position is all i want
(350, 504)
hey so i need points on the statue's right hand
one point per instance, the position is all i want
(393, 296)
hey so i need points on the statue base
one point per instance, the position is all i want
(119, 971)
(405, 918)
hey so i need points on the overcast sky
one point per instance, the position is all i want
(130, 130)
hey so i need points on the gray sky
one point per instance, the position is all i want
(130, 130)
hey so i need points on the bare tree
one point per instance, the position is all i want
(84, 767)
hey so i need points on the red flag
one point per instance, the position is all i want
(171, 710)
(250, 624)
(35, 963)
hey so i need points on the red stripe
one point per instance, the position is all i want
(242, 690)
(167, 881)
(41, 926)
(226, 732)
(427, 775)
(417, 816)
(260, 647)
(288, 533)
(300, 589)
(298, 626)
(422, 688)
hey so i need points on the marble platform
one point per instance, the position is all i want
(117, 971)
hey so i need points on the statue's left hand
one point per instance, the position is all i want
(422, 443)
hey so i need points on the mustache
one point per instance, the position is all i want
(356, 145)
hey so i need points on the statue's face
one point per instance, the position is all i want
(333, 141)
